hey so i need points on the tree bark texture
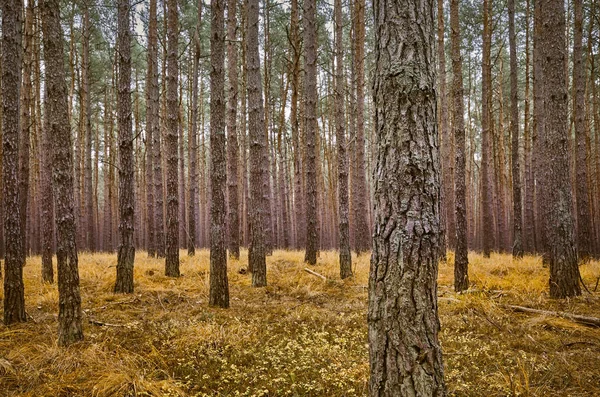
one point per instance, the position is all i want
(405, 354)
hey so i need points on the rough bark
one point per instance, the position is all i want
(359, 188)
(310, 101)
(564, 272)
(585, 231)
(126, 253)
(340, 135)
(219, 287)
(529, 211)
(47, 206)
(517, 248)
(150, 128)
(486, 122)
(26, 130)
(14, 298)
(405, 354)
(172, 113)
(446, 139)
(232, 142)
(256, 134)
(89, 230)
(461, 259)
(154, 108)
(69, 298)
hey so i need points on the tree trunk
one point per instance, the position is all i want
(585, 232)
(405, 355)
(69, 298)
(359, 188)
(172, 232)
(232, 142)
(126, 254)
(14, 298)
(486, 121)
(219, 287)
(529, 213)
(151, 120)
(26, 124)
(564, 272)
(517, 248)
(47, 206)
(461, 258)
(340, 136)
(256, 132)
(446, 140)
(89, 229)
(310, 100)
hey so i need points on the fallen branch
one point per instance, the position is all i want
(102, 324)
(585, 320)
(307, 270)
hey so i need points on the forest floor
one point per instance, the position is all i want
(300, 336)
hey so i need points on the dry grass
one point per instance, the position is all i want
(300, 336)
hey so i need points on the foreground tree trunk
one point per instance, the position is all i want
(564, 272)
(461, 258)
(517, 248)
(14, 294)
(256, 133)
(126, 254)
(69, 298)
(219, 287)
(405, 355)
(310, 114)
(172, 240)
(232, 143)
(345, 256)
(585, 232)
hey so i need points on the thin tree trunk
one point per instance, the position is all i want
(529, 213)
(219, 287)
(69, 298)
(232, 142)
(257, 248)
(14, 297)
(405, 354)
(461, 259)
(151, 120)
(172, 232)
(517, 248)
(310, 100)
(585, 231)
(359, 189)
(340, 135)
(486, 127)
(564, 272)
(126, 254)
(446, 141)
(88, 229)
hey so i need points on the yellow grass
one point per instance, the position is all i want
(300, 336)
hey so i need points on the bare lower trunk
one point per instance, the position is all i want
(232, 142)
(343, 206)
(256, 133)
(405, 355)
(310, 100)
(564, 272)
(172, 232)
(14, 298)
(69, 298)
(126, 254)
(461, 259)
(219, 287)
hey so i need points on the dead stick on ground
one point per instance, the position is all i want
(315, 273)
(585, 320)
